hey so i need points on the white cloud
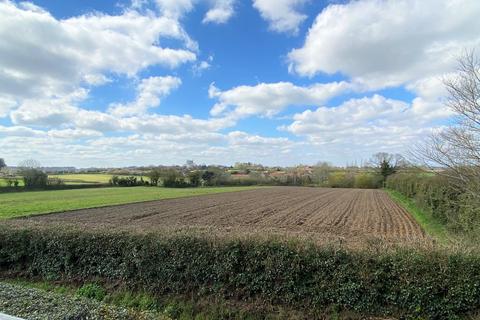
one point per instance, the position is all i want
(282, 15)
(202, 66)
(175, 8)
(149, 93)
(172, 124)
(268, 99)
(97, 79)
(221, 12)
(364, 125)
(61, 147)
(388, 42)
(54, 57)
(19, 131)
(62, 113)
(6, 104)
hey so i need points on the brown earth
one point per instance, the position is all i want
(350, 216)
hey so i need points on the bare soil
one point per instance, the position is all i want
(351, 216)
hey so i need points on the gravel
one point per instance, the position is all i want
(33, 304)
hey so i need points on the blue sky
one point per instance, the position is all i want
(105, 83)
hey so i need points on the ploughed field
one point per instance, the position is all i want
(350, 216)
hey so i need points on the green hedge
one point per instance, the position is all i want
(404, 283)
(437, 197)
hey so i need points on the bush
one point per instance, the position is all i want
(34, 178)
(55, 182)
(436, 196)
(368, 181)
(406, 283)
(194, 178)
(174, 179)
(130, 181)
(342, 179)
(12, 182)
(92, 291)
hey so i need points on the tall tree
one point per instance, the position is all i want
(387, 163)
(457, 148)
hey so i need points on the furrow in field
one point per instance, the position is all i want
(349, 215)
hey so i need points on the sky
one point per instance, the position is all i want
(280, 82)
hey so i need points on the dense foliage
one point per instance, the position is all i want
(435, 195)
(130, 181)
(34, 178)
(36, 304)
(405, 283)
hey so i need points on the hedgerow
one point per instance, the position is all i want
(408, 283)
(435, 195)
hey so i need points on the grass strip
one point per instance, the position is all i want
(431, 226)
(20, 204)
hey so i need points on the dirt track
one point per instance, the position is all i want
(349, 215)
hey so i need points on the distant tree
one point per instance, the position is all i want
(33, 177)
(29, 163)
(208, 177)
(154, 175)
(387, 163)
(174, 179)
(321, 172)
(2, 164)
(194, 177)
(457, 149)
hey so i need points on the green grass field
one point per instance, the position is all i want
(77, 178)
(3, 182)
(85, 178)
(20, 204)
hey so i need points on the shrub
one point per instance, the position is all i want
(194, 178)
(12, 182)
(55, 182)
(436, 196)
(130, 181)
(342, 179)
(368, 181)
(34, 178)
(154, 175)
(408, 283)
(92, 291)
(174, 179)
(207, 177)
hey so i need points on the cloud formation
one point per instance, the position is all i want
(386, 43)
(79, 51)
(281, 15)
(149, 93)
(268, 99)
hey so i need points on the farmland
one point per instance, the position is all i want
(348, 215)
(82, 178)
(74, 178)
(36, 202)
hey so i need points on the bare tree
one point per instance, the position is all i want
(321, 172)
(457, 149)
(30, 164)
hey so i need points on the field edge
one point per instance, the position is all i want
(431, 226)
(60, 209)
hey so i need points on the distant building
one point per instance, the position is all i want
(190, 164)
